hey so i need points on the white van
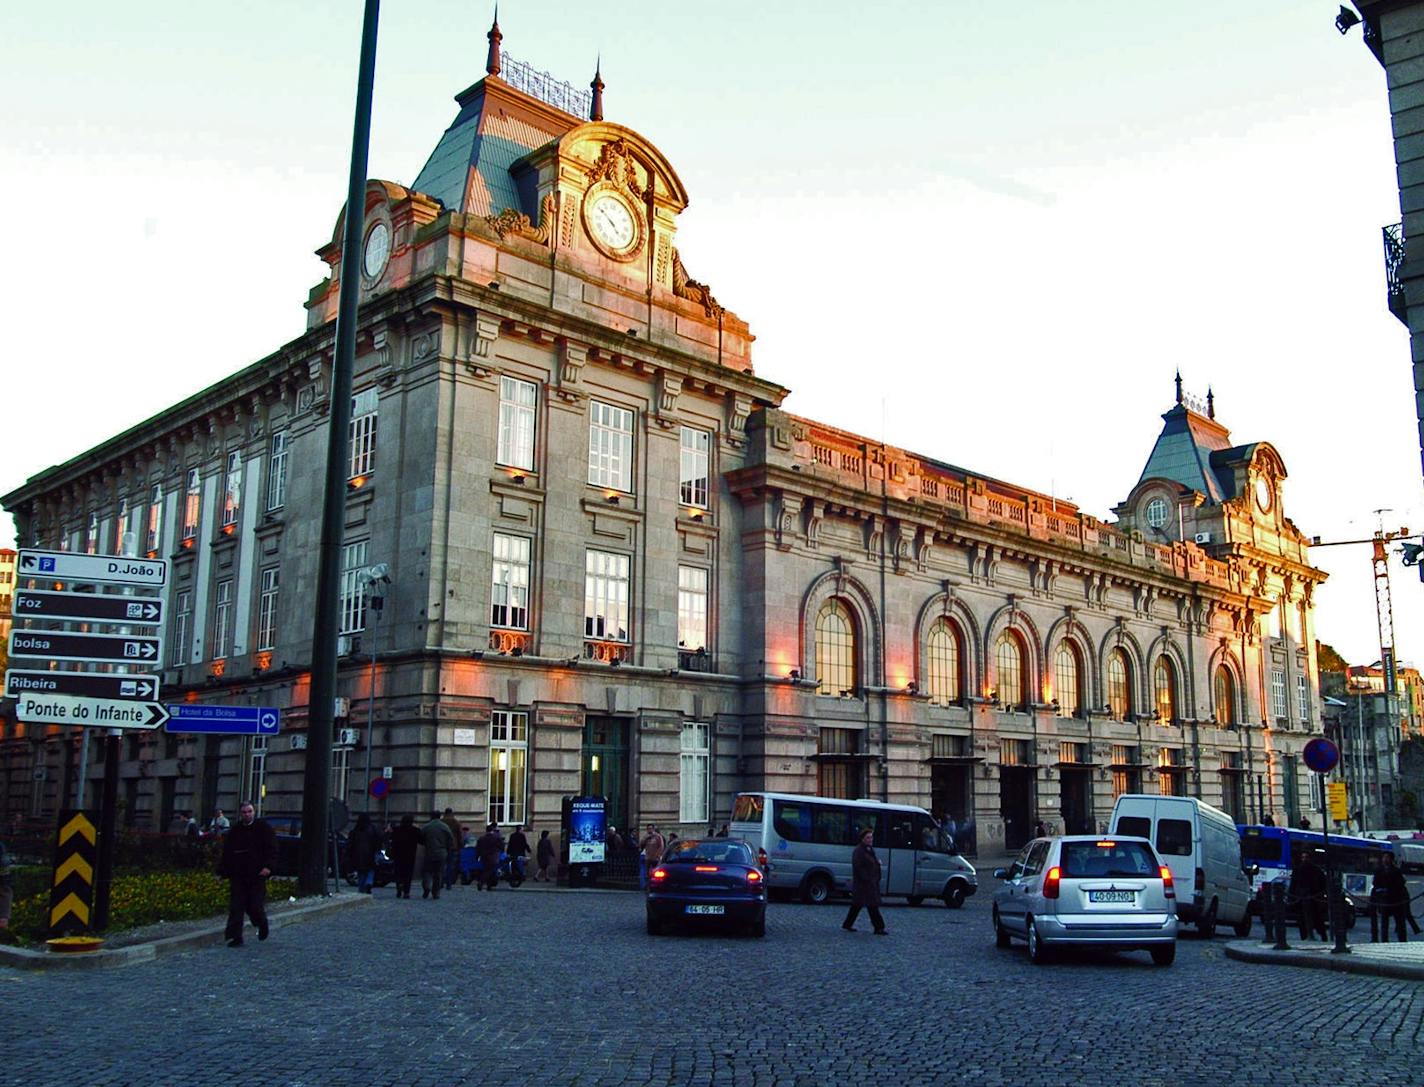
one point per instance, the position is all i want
(1202, 847)
(808, 842)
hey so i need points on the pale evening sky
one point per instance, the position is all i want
(986, 232)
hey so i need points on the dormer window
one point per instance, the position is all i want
(1157, 512)
(1264, 494)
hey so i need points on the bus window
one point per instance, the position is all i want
(1262, 850)
(902, 831)
(791, 821)
(831, 826)
(748, 808)
(930, 837)
(1174, 837)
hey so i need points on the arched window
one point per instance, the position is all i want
(1224, 697)
(943, 679)
(1119, 685)
(1008, 669)
(1164, 690)
(1067, 680)
(835, 649)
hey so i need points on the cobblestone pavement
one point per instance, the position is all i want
(514, 987)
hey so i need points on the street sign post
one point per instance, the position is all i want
(88, 648)
(88, 684)
(137, 611)
(65, 709)
(1322, 756)
(70, 566)
(191, 717)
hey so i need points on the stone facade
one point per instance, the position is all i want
(551, 380)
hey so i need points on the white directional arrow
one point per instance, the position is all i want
(63, 709)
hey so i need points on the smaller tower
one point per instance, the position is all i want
(595, 112)
(1179, 386)
(495, 37)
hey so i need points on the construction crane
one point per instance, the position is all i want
(1384, 617)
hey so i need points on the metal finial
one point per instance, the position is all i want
(495, 37)
(1210, 403)
(1179, 386)
(595, 111)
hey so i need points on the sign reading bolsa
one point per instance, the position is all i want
(68, 566)
(92, 648)
(64, 709)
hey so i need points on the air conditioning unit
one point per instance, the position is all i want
(1203, 537)
(299, 741)
(342, 707)
(348, 645)
(348, 737)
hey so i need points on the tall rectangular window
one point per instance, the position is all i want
(353, 592)
(155, 519)
(182, 617)
(693, 467)
(509, 589)
(691, 608)
(267, 610)
(192, 506)
(517, 401)
(363, 434)
(257, 771)
(340, 772)
(694, 778)
(509, 755)
(277, 472)
(610, 446)
(1302, 697)
(839, 773)
(605, 596)
(222, 619)
(125, 539)
(1278, 692)
(1126, 775)
(232, 489)
(91, 535)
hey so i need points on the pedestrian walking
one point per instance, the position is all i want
(405, 841)
(545, 857)
(249, 852)
(220, 824)
(439, 844)
(650, 852)
(488, 849)
(613, 841)
(1393, 899)
(452, 861)
(518, 850)
(361, 850)
(865, 884)
(1308, 886)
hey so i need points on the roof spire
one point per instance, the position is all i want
(1179, 386)
(1210, 403)
(495, 37)
(595, 112)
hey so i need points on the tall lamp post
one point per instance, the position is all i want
(376, 578)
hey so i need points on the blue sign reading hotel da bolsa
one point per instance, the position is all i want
(192, 717)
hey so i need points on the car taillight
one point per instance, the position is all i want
(762, 861)
(657, 875)
(705, 868)
(1050, 882)
(1167, 888)
(753, 875)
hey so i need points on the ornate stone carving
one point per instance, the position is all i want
(425, 345)
(510, 221)
(815, 514)
(669, 389)
(686, 287)
(662, 259)
(386, 373)
(572, 359)
(567, 211)
(788, 512)
(739, 410)
(617, 166)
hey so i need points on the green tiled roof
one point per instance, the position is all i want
(1183, 453)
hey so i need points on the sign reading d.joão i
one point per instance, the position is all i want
(588, 827)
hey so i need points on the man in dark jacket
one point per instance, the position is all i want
(545, 857)
(452, 859)
(488, 849)
(249, 851)
(518, 850)
(1392, 894)
(439, 843)
(865, 884)
(405, 841)
(1309, 886)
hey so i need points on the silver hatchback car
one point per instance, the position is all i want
(1105, 891)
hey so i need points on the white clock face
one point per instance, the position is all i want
(378, 248)
(1263, 494)
(612, 222)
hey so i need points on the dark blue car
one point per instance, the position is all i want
(712, 881)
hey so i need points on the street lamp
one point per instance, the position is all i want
(375, 578)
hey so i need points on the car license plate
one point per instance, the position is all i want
(1112, 896)
(706, 909)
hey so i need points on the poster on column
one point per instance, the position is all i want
(588, 829)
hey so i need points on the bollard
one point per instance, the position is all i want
(1278, 904)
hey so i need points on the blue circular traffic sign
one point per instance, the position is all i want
(379, 787)
(1321, 755)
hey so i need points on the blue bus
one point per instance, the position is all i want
(1275, 852)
